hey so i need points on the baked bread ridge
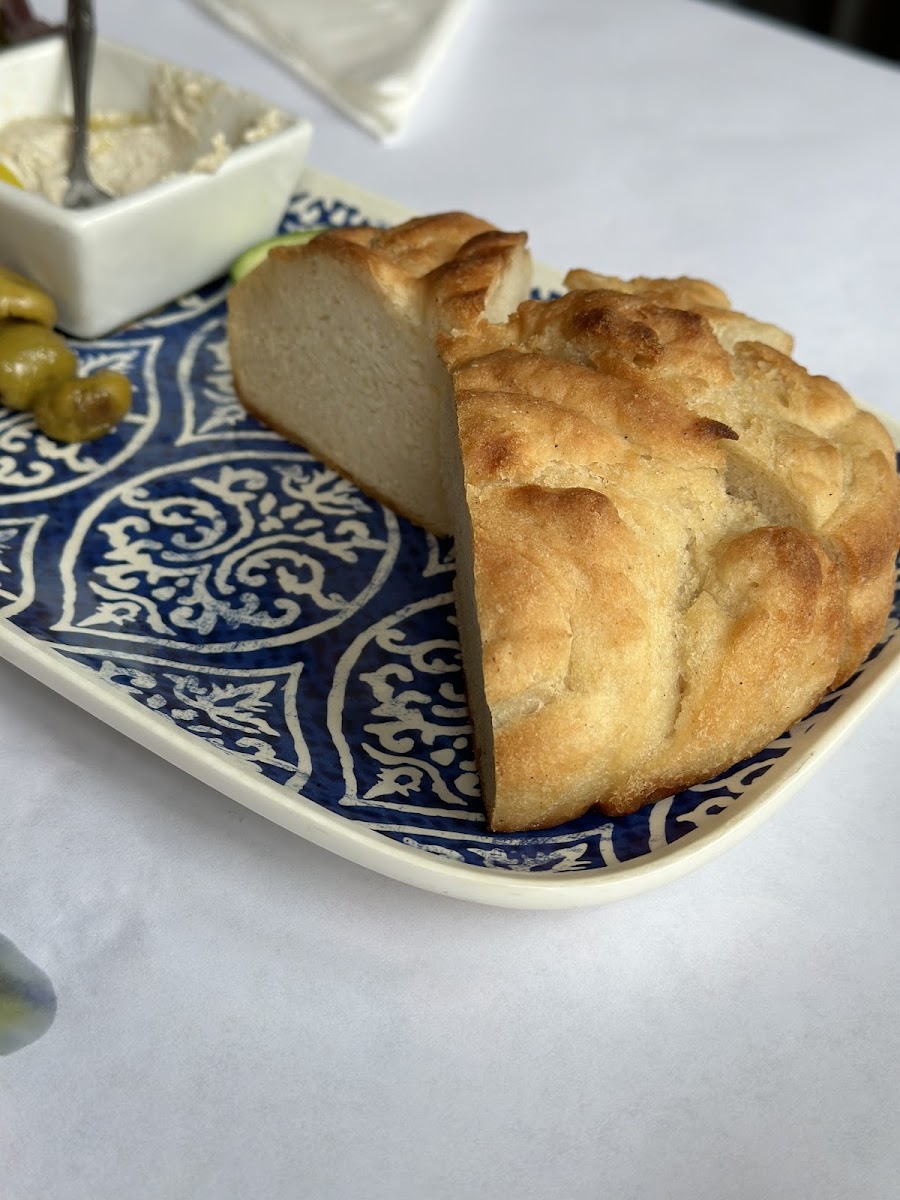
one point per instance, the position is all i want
(332, 344)
(695, 295)
(672, 541)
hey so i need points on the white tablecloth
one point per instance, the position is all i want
(243, 1015)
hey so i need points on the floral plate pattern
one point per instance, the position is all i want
(223, 598)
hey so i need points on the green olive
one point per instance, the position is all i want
(81, 410)
(32, 358)
(24, 300)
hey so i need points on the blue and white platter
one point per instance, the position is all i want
(229, 602)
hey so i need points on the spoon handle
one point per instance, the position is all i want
(80, 45)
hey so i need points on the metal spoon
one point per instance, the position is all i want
(82, 191)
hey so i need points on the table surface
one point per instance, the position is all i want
(242, 1014)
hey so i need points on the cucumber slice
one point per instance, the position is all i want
(254, 256)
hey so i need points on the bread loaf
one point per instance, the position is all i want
(671, 542)
(671, 539)
(333, 344)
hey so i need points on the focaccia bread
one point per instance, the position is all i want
(333, 344)
(671, 542)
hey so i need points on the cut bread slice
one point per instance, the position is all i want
(671, 541)
(333, 344)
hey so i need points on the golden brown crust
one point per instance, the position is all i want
(683, 292)
(681, 541)
(417, 246)
(445, 265)
(459, 289)
(697, 295)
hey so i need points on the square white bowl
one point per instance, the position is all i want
(107, 265)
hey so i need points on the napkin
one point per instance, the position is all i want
(371, 58)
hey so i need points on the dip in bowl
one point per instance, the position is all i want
(201, 171)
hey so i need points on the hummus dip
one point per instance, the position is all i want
(131, 151)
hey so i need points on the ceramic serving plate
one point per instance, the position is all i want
(227, 601)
